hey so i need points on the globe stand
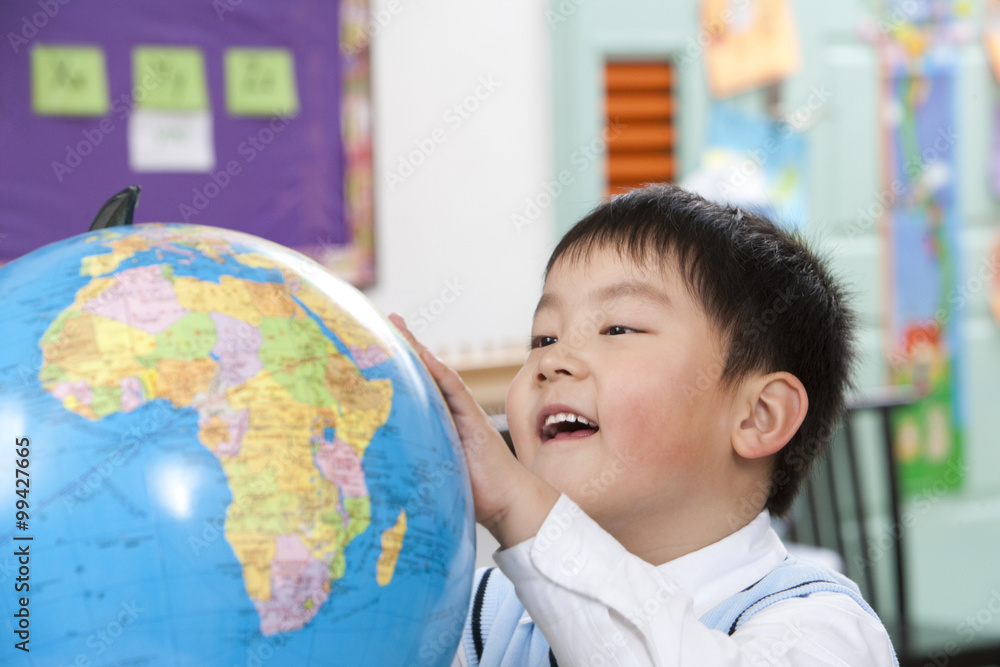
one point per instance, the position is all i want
(118, 210)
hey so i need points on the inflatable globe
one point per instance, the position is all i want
(216, 453)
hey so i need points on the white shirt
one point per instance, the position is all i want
(598, 604)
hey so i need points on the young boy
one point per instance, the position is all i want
(687, 361)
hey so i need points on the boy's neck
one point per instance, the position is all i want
(683, 532)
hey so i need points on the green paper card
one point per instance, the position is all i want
(169, 78)
(261, 82)
(69, 81)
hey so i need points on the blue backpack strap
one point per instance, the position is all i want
(477, 613)
(791, 579)
(473, 636)
(494, 595)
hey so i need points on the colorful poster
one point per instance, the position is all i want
(922, 252)
(247, 116)
(755, 162)
(751, 43)
(357, 257)
(991, 35)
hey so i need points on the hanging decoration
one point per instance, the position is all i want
(750, 44)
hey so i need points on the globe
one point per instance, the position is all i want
(217, 453)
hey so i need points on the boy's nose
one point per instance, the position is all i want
(559, 361)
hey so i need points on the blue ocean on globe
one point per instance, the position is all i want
(217, 453)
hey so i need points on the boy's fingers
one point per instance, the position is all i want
(452, 386)
(400, 323)
(419, 347)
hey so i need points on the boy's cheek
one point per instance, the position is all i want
(522, 450)
(517, 404)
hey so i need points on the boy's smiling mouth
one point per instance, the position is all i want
(561, 423)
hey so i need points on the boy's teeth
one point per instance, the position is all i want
(567, 417)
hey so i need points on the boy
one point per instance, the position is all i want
(686, 362)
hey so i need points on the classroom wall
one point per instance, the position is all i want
(449, 256)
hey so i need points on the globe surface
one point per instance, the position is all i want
(227, 457)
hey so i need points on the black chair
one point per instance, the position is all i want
(863, 523)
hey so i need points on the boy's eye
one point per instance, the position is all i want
(542, 341)
(618, 329)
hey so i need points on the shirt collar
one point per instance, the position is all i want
(726, 567)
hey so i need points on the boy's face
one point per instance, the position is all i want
(629, 352)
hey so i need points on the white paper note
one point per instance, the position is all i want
(170, 141)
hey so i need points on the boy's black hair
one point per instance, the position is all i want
(773, 302)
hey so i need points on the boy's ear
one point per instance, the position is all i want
(773, 406)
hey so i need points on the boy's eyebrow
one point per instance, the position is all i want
(613, 292)
(548, 300)
(631, 288)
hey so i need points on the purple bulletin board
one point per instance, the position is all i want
(308, 187)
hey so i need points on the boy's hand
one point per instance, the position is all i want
(511, 501)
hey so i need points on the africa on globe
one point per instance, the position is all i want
(228, 457)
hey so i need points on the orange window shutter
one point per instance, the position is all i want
(639, 110)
